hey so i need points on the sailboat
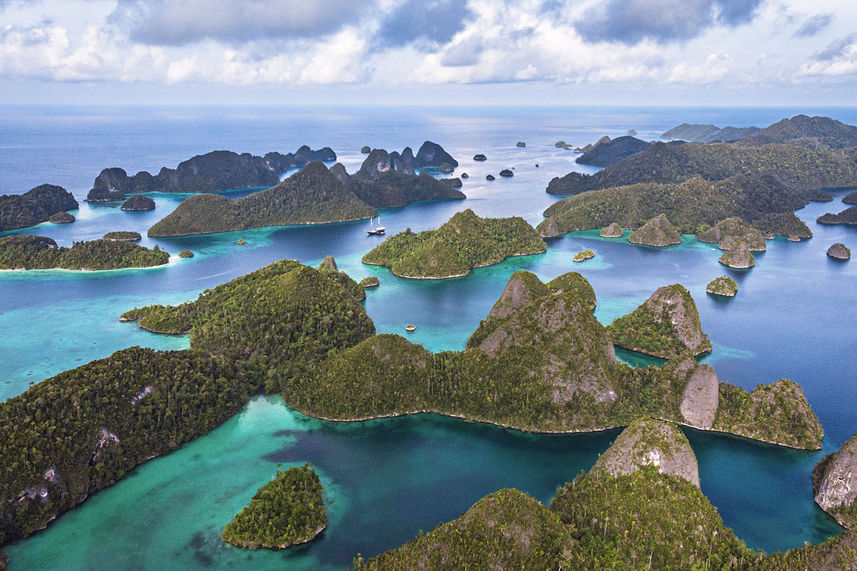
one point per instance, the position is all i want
(376, 230)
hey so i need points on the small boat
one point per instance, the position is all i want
(376, 230)
(410, 327)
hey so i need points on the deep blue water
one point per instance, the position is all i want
(793, 317)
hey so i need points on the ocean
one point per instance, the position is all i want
(386, 480)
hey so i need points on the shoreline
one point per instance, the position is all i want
(272, 226)
(456, 275)
(546, 431)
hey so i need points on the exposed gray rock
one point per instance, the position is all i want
(648, 442)
(700, 397)
(839, 251)
(836, 484)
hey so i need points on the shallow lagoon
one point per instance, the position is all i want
(792, 318)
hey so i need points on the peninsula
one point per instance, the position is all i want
(35, 206)
(217, 170)
(465, 242)
(40, 253)
(286, 511)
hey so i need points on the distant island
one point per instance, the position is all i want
(723, 286)
(465, 242)
(35, 206)
(39, 252)
(286, 511)
(217, 170)
(698, 133)
(608, 151)
(313, 195)
(693, 206)
(123, 236)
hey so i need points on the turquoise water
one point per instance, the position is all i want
(388, 479)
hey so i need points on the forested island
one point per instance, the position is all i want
(639, 507)
(313, 195)
(692, 206)
(760, 179)
(41, 253)
(217, 170)
(286, 511)
(35, 206)
(465, 242)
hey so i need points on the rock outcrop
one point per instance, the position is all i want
(33, 207)
(835, 484)
(728, 232)
(738, 256)
(506, 173)
(371, 281)
(666, 325)
(850, 198)
(138, 203)
(656, 232)
(700, 397)
(648, 442)
(839, 251)
(612, 231)
(723, 286)
(479, 157)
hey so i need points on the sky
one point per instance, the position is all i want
(478, 52)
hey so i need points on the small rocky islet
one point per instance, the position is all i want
(138, 203)
(839, 251)
(723, 286)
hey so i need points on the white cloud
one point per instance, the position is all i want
(486, 41)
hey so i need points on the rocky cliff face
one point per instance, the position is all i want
(34, 206)
(648, 442)
(432, 155)
(665, 325)
(656, 232)
(835, 483)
